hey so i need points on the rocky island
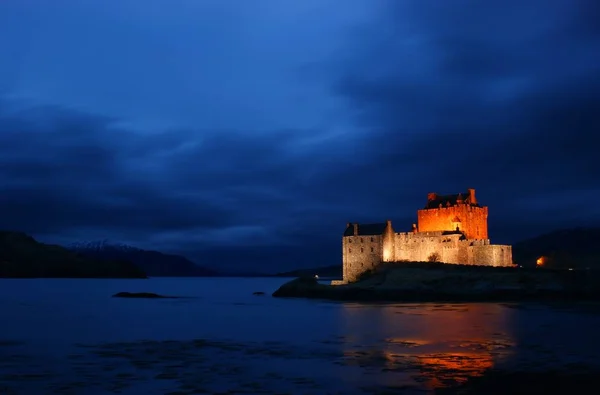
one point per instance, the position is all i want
(21, 256)
(448, 256)
(438, 282)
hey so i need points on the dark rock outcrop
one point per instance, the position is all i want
(21, 256)
(437, 283)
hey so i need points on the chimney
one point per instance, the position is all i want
(355, 229)
(431, 196)
(472, 197)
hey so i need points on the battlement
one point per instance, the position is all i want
(469, 207)
(468, 242)
(415, 235)
(437, 233)
(435, 200)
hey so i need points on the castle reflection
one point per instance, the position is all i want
(432, 345)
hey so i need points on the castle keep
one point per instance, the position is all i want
(449, 229)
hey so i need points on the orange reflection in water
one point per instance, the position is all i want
(452, 368)
(436, 345)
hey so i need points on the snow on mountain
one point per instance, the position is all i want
(99, 245)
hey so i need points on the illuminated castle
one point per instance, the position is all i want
(449, 229)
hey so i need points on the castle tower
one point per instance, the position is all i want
(460, 212)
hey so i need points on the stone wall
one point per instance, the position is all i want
(362, 253)
(473, 220)
(388, 240)
(359, 254)
(420, 246)
(492, 255)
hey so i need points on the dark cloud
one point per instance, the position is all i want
(506, 99)
(221, 196)
(64, 172)
(437, 96)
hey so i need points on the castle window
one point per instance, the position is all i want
(362, 249)
(349, 240)
(349, 249)
(372, 249)
(372, 239)
(361, 240)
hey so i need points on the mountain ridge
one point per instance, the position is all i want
(153, 263)
(22, 256)
(561, 248)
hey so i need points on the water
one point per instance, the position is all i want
(70, 336)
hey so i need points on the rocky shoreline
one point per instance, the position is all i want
(449, 283)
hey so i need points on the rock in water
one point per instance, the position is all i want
(301, 287)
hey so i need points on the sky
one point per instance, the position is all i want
(246, 134)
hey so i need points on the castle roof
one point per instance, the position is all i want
(451, 200)
(455, 232)
(366, 229)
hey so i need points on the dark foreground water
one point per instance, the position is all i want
(70, 337)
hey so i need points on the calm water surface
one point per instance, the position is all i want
(70, 336)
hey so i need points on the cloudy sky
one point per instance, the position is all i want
(245, 134)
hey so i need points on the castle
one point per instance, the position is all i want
(449, 229)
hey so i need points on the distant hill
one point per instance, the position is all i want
(324, 271)
(22, 256)
(566, 248)
(153, 263)
(243, 274)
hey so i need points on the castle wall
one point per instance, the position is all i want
(418, 247)
(360, 253)
(473, 220)
(389, 240)
(492, 255)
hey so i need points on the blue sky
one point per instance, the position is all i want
(247, 133)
